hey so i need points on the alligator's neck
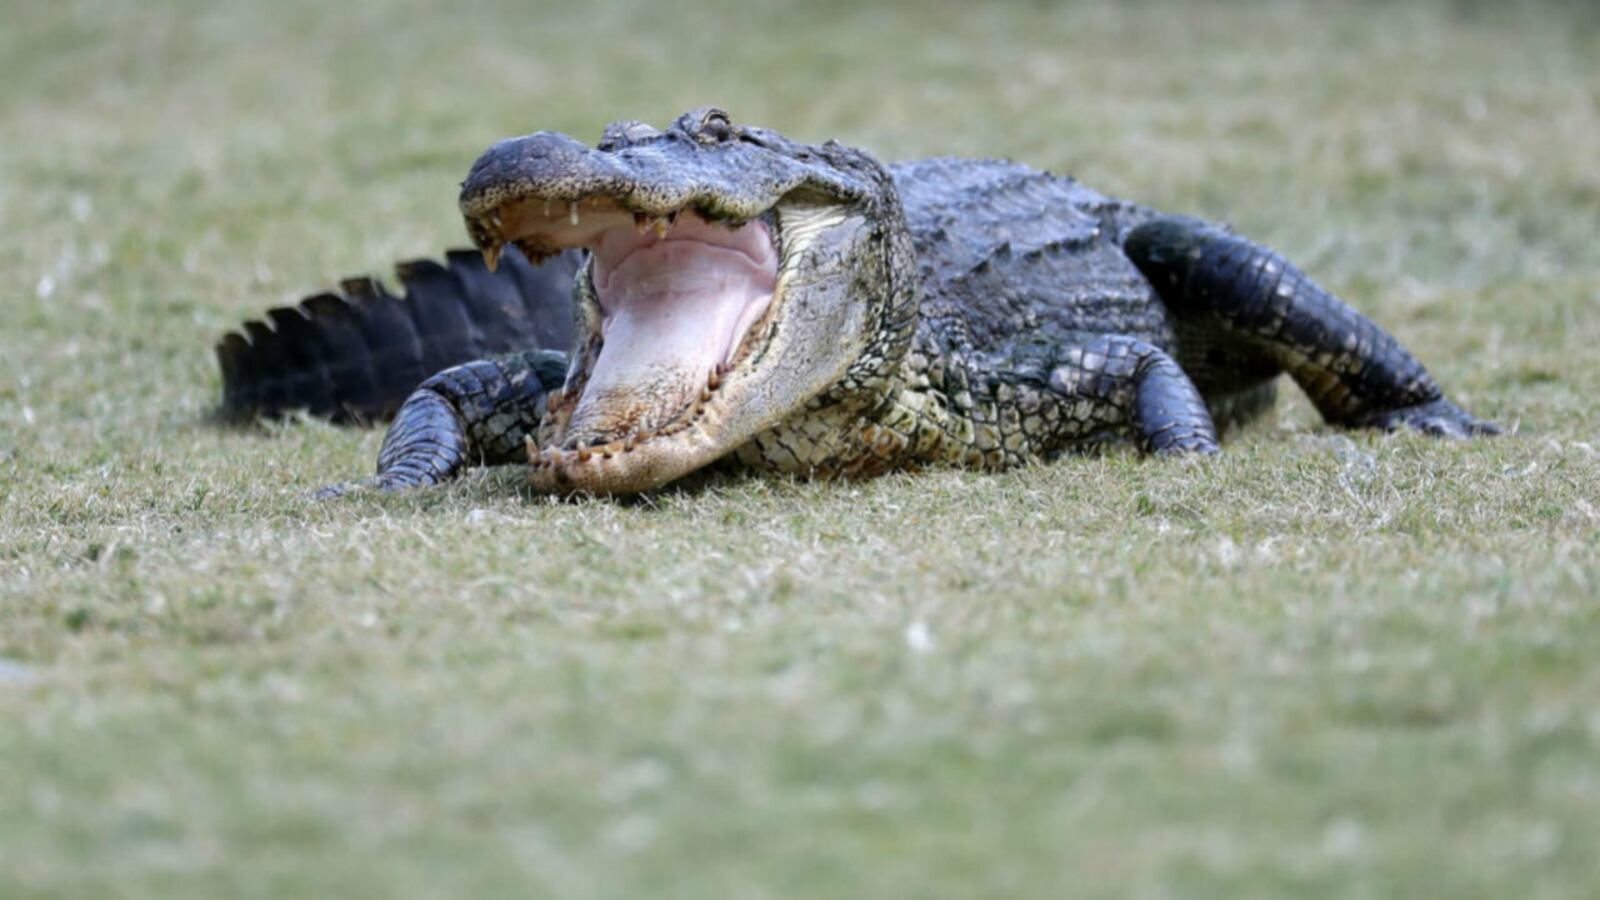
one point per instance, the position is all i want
(973, 410)
(938, 408)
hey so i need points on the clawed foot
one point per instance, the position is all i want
(389, 481)
(1185, 443)
(1440, 417)
(345, 487)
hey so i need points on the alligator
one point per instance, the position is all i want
(717, 293)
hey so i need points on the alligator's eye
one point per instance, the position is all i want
(714, 127)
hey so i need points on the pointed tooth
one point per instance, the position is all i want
(547, 207)
(661, 227)
(641, 222)
(572, 213)
(491, 256)
(531, 447)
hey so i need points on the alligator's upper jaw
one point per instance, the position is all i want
(679, 299)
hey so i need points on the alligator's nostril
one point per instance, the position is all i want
(624, 133)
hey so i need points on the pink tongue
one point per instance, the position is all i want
(672, 311)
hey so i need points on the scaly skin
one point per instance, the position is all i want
(942, 312)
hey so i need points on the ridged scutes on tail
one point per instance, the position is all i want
(356, 354)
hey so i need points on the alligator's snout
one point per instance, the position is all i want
(649, 178)
(523, 164)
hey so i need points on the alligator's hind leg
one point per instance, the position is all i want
(477, 413)
(1267, 311)
(1121, 384)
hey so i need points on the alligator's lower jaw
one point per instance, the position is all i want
(629, 465)
(636, 460)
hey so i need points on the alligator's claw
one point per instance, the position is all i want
(1439, 417)
(389, 481)
(342, 488)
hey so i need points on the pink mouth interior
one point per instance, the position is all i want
(675, 307)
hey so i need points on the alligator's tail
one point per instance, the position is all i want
(354, 356)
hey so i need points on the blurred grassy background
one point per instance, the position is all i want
(1325, 665)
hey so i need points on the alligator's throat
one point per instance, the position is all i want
(675, 307)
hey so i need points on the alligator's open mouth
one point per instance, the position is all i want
(677, 303)
(720, 295)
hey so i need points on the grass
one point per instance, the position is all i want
(1326, 664)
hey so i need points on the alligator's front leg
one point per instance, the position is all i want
(1120, 384)
(1258, 305)
(477, 413)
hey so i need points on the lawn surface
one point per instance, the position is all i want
(1326, 664)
